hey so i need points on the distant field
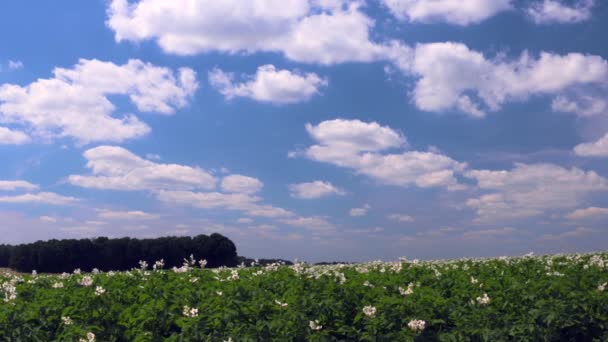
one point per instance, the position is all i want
(549, 298)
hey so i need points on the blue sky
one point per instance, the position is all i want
(309, 129)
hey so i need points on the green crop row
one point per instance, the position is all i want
(548, 298)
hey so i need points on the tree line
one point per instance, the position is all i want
(56, 256)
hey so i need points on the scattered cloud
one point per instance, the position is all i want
(15, 65)
(125, 215)
(314, 223)
(50, 219)
(359, 145)
(39, 198)
(400, 218)
(245, 220)
(556, 11)
(116, 168)
(454, 77)
(358, 212)
(75, 102)
(314, 189)
(216, 200)
(531, 190)
(16, 184)
(571, 234)
(310, 31)
(450, 11)
(10, 137)
(489, 233)
(269, 85)
(588, 213)
(597, 148)
(241, 184)
(582, 105)
(369, 231)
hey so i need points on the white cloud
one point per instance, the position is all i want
(315, 223)
(358, 212)
(245, 220)
(597, 148)
(591, 212)
(373, 230)
(355, 135)
(358, 145)
(576, 233)
(400, 218)
(125, 215)
(450, 74)
(531, 190)
(216, 200)
(50, 219)
(555, 11)
(314, 189)
(269, 85)
(241, 184)
(582, 105)
(116, 168)
(40, 198)
(75, 102)
(459, 12)
(10, 137)
(16, 184)
(313, 31)
(488, 233)
(15, 65)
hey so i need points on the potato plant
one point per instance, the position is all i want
(545, 298)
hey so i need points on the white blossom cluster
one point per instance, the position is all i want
(369, 311)
(86, 281)
(314, 325)
(416, 325)
(483, 300)
(90, 338)
(190, 312)
(408, 291)
(99, 291)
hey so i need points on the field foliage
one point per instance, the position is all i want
(547, 298)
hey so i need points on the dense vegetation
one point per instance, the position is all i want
(56, 256)
(550, 298)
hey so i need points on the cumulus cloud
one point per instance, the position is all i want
(215, 200)
(314, 189)
(456, 12)
(362, 147)
(10, 137)
(556, 11)
(314, 223)
(39, 198)
(358, 212)
(16, 184)
(454, 77)
(597, 148)
(576, 233)
(15, 65)
(400, 218)
(588, 213)
(313, 31)
(531, 190)
(582, 105)
(269, 85)
(115, 168)
(125, 215)
(488, 233)
(241, 184)
(75, 102)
